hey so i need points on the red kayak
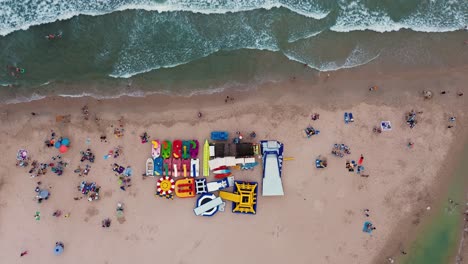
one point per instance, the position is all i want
(222, 175)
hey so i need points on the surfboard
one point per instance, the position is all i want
(194, 167)
(206, 158)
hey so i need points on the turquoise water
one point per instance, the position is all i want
(214, 44)
(439, 241)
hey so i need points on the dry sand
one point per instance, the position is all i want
(320, 218)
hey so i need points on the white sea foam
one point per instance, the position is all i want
(436, 16)
(355, 59)
(305, 35)
(20, 15)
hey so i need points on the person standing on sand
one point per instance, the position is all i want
(361, 160)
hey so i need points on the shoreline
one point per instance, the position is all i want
(341, 91)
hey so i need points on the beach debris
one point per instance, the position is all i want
(411, 119)
(144, 138)
(427, 94)
(59, 248)
(452, 119)
(87, 155)
(310, 131)
(340, 150)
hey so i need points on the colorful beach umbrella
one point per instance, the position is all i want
(63, 149)
(66, 142)
(58, 250)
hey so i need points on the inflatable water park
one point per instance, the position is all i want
(175, 166)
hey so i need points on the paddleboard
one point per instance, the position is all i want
(149, 167)
(222, 171)
(206, 158)
(194, 167)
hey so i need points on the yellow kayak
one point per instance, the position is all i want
(206, 158)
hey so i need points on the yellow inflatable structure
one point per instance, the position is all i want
(244, 198)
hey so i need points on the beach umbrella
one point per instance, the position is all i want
(57, 144)
(43, 194)
(66, 142)
(58, 250)
(63, 149)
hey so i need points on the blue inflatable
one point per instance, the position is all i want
(66, 142)
(58, 144)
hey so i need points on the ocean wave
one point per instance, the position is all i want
(433, 16)
(239, 87)
(355, 59)
(305, 35)
(20, 15)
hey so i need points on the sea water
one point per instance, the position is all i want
(439, 240)
(189, 46)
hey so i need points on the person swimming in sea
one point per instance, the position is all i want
(54, 36)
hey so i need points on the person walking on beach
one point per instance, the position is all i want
(361, 160)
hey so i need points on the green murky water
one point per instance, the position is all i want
(438, 243)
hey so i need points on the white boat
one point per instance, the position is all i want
(149, 167)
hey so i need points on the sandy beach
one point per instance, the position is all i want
(318, 220)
